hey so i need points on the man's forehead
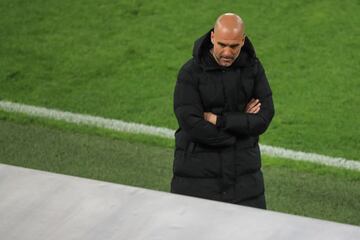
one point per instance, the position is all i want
(229, 35)
(229, 41)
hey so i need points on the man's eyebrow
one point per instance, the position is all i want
(230, 45)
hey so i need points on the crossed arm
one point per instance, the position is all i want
(252, 107)
(189, 112)
(207, 128)
(257, 115)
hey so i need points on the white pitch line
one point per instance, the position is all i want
(112, 124)
(122, 126)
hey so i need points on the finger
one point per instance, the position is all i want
(255, 109)
(258, 108)
(251, 110)
(255, 106)
(251, 101)
(251, 104)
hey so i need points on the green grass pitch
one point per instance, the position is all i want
(119, 59)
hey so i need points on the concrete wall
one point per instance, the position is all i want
(40, 205)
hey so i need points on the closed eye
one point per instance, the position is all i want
(230, 45)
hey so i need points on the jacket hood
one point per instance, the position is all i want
(203, 45)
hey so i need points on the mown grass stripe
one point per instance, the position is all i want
(119, 125)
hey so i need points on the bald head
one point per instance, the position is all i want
(227, 38)
(229, 24)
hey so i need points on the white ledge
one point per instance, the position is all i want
(38, 205)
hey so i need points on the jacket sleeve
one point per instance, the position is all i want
(242, 123)
(189, 112)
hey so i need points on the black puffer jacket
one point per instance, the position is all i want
(220, 162)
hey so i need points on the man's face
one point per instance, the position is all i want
(227, 47)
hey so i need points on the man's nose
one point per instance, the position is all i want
(228, 52)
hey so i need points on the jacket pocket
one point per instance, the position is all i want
(247, 159)
(195, 162)
(191, 147)
(189, 150)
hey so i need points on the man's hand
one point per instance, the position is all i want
(253, 106)
(210, 117)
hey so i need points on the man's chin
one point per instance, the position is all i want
(226, 63)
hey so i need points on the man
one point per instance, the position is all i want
(222, 102)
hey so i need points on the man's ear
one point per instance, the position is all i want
(212, 37)
(242, 41)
